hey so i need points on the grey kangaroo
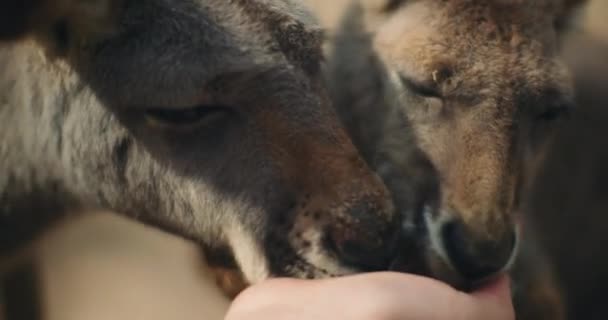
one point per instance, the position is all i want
(206, 118)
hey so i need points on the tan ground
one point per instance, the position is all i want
(107, 268)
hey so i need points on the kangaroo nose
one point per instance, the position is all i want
(475, 258)
(368, 242)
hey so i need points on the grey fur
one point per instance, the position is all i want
(75, 133)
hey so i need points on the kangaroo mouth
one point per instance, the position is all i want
(450, 256)
(417, 251)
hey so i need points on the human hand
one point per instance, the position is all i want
(377, 296)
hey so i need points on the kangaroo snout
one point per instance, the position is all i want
(363, 240)
(476, 258)
(475, 253)
(348, 223)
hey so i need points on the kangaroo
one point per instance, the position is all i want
(478, 88)
(205, 118)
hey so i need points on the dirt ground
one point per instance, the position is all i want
(104, 267)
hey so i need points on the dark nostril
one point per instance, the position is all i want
(366, 241)
(476, 259)
(363, 256)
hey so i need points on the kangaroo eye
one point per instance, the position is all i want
(184, 117)
(420, 88)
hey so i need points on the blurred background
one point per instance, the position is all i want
(104, 267)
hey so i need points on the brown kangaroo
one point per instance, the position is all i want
(477, 88)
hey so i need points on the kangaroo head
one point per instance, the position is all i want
(482, 86)
(213, 123)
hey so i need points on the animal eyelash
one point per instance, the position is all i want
(184, 116)
(420, 88)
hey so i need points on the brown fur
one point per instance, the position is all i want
(229, 281)
(480, 88)
(484, 62)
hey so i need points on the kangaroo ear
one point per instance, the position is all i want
(569, 14)
(58, 23)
